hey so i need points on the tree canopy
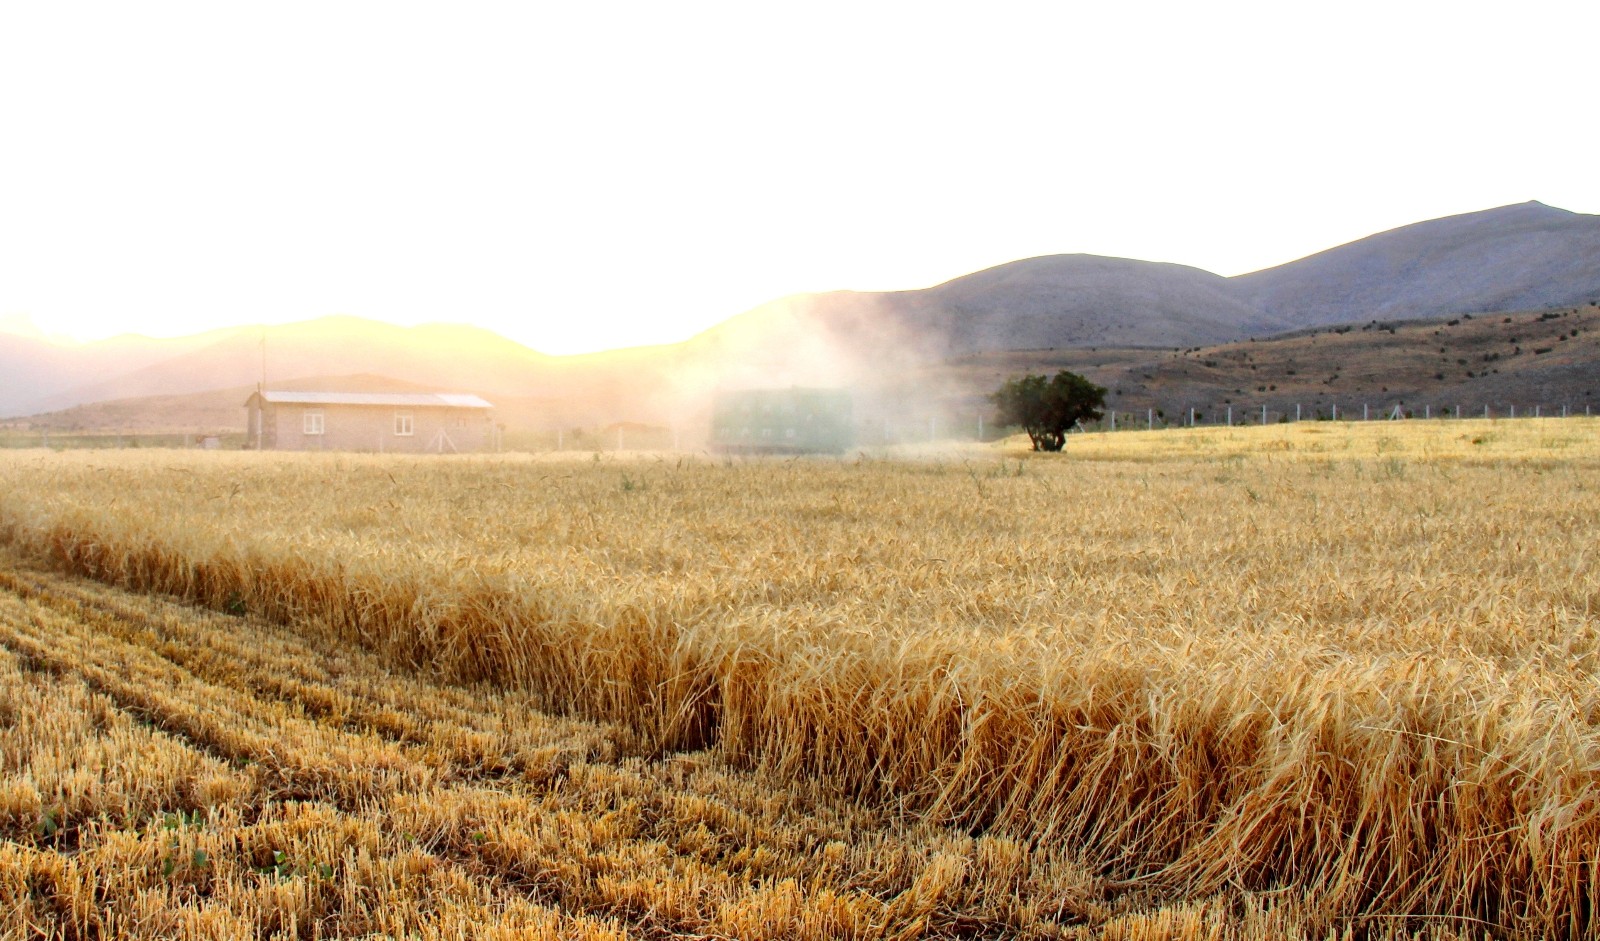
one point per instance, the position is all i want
(1048, 408)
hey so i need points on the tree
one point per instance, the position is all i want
(1048, 408)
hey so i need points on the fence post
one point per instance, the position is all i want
(1364, 412)
(1113, 419)
(1191, 416)
(1263, 414)
(1427, 411)
(1150, 419)
(1297, 411)
(1230, 416)
(1335, 412)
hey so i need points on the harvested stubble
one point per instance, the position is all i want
(1354, 663)
(181, 774)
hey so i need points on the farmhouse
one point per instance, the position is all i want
(782, 421)
(368, 421)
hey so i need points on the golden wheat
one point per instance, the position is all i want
(1347, 665)
(262, 815)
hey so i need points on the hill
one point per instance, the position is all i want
(40, 374)
(1521, 257)
(1050, 301)
(1525, 257)
(1081, 300)
(435, 354)
(212, 411)
(1529, 359)
(1545, 359)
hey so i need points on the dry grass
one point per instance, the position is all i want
(1497, 441)
(1259, 681)
(232, 779)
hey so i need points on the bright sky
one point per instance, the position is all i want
(580, 176)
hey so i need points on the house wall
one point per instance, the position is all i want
(252, 418)
(373, 428)
(260, 428)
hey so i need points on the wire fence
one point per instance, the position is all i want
(881, 430)
(1228, 415)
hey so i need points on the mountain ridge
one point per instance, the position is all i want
(1523, 256)
(1526, 256)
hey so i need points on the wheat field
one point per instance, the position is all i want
(1312, 680)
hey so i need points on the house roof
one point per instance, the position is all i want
(403, 399)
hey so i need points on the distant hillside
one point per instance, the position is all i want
(1528, 359)
(1081, 300)
(1037, 303)
(1521, 257)
(1524, 257)
(208, 412)
(34, 371)
(1532, 358)
(437, 354)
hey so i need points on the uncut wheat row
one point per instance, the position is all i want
(1356, 662)
(169, 773)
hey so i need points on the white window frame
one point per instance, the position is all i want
(312, 422)
(404, 425)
